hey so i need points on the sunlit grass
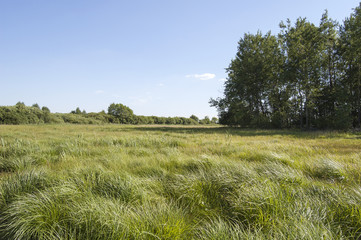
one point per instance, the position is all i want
(155, 182)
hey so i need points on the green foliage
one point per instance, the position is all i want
(350, 48)
(45, 109)
(306, 77)
(214, 120)
(117, 113)
(76, 111)
(195, 118)
(20, 114)
(35, 105)
(121, 112)
(205, 120)
(78, 119)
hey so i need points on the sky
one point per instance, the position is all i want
(162, 58)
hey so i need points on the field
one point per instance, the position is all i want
(155, 182)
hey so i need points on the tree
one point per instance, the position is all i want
(214, 120)
(194, 117)
(76, 111)
(205, 120)
(45, 109)
(308, 76)
(170, 120)
(350, 36)
(20, 105)
(121, 112)
(302, 44)
(35, 105)
(333, 108)
(252, 81)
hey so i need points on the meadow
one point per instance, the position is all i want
(175, 182)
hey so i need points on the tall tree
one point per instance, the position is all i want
(302, 43)
(310, 76)
(350, 35)
(251, 78)
(332, 104)
(121, 112)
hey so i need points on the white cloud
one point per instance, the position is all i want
(204, 76)
(223, 79)
(160, 85)
(98, 92)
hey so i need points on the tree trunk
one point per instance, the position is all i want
(307, 111)
(301, 111)
(307, 116)
(359, 97)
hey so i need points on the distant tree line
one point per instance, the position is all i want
(117, 114)
(307, 77)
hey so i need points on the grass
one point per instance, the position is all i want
(151, 182)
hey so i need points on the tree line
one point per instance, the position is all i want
(306, 76)
(117, 114)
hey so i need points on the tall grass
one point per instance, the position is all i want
(125, 182)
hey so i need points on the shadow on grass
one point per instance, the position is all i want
(248, 132)
(227, 131)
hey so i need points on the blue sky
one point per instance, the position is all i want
(164, 58)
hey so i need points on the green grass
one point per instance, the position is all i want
(155, 182)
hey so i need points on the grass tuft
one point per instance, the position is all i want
(131, 182)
